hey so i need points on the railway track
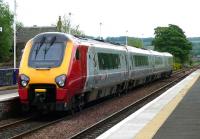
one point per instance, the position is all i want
(105, 124)
(27, 126)
(14, 123)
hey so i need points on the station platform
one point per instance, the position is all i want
(6, 95)
(175, 115)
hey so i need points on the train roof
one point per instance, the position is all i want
(167, 54)
(147, 51)
(138, 50)
(106, 45)
(100, 44)
(161, 53)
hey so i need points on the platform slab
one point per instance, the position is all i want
(4, 92)
(8, 96)
(142, 123)
(184, 122)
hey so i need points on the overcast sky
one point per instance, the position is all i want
(139, 17)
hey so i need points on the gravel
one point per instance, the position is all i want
(9, 108)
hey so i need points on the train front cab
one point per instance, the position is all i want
(46, 75)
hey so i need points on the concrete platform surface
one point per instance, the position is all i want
(8, 95)
(2, 88)
(4, 92)
(184, 122)
(144, 123)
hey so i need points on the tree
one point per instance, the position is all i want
(65, 24)
(173, 40)
(59, 24)
(136, 42)
(6, 22)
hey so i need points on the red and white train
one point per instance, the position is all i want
(60, 72)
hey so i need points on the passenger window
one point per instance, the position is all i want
(77, 54)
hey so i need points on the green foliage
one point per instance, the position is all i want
(19, 25)
(177, 66)
(195, 63)
(173, 40)
(135, 42)
(59, 24)
(6, 21)
(65, 24)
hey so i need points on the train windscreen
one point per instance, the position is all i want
(46, 54)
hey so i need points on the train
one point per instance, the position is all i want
(61, 72)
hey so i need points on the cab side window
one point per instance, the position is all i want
(77, 55)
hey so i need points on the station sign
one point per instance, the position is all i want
(1, 29)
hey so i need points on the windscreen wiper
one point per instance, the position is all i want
(39, 46)
(51, 43)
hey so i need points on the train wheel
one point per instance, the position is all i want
(25, 108)
(75, 105)
(118, 93)
(79, 103)
(72, 106)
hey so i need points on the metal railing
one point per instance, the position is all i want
(8, 76)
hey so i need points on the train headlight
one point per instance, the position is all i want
(60, 80)
(24, 80)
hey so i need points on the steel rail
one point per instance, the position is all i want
(2, 127)
(39, 127)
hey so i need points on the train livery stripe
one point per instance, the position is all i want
(84, 65)
(68, 58)
(77, 72)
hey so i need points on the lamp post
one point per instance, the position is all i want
(14, 29)
(142, 41)
(126, 37)
(70, 22)
(100, 24)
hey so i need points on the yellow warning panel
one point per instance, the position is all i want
(40, 90)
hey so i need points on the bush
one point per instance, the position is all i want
(177, 66)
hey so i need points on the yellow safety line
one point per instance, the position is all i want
(152, 127)
(4, 88)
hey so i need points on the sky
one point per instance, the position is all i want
(136, 18)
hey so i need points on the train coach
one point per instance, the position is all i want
(61, 72)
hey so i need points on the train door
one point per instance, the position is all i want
(92, 68)
(152, 62)
(77, 67)
(83, 64)
(128, 65)
(95, 80)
